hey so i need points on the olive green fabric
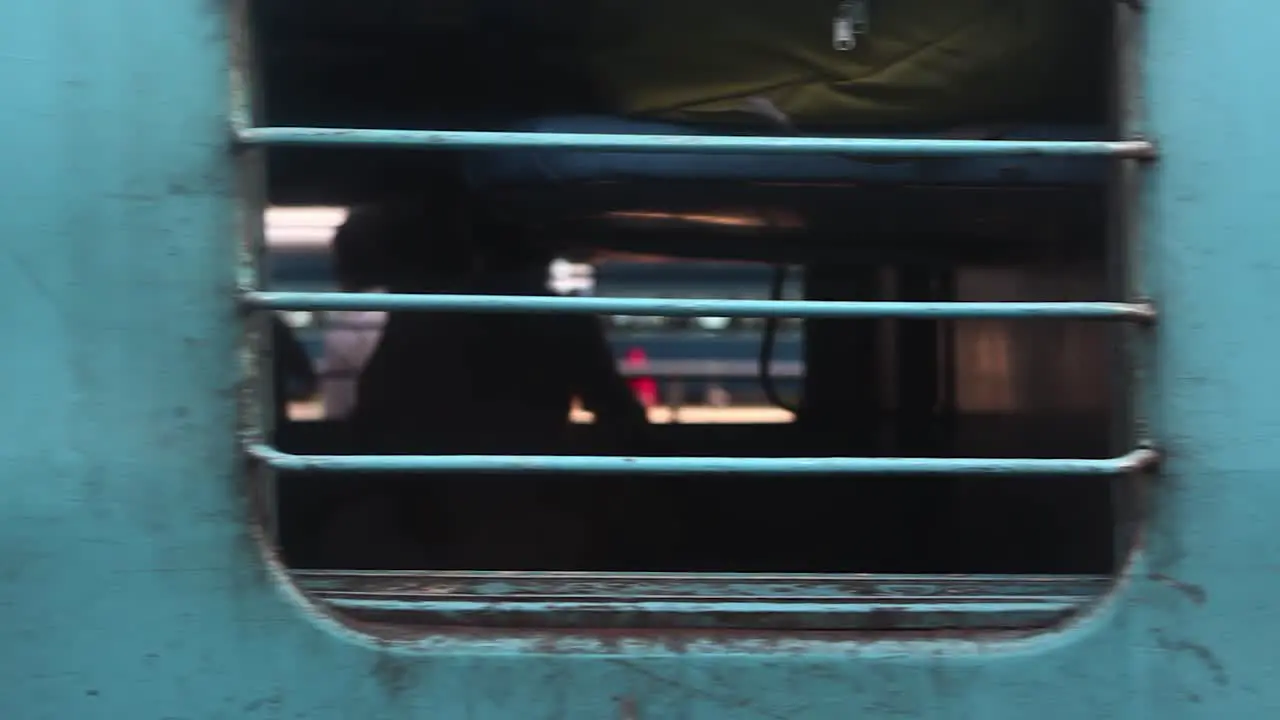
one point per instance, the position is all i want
(923, 62)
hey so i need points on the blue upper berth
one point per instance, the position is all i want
(537, 166)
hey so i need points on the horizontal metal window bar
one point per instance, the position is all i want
(531, 585)
(706, 607)
(863, 147)
(1135, 312)
(753, 615)
(495, 585)
(613, 465)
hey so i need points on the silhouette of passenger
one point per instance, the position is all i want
(582, 354)
(482, 383)
(360, 265)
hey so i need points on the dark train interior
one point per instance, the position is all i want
(993, 229)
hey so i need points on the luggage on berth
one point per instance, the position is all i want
(816, 63)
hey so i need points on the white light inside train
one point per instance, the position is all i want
(297, 318)
(565, 278)
(302, 227)
(713, 323)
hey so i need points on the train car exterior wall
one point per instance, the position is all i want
(132, 585)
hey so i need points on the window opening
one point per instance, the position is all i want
(864, 440)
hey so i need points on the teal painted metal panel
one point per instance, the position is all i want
(131, 585)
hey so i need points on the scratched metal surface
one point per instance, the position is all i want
(131, 586)
(710, 601)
